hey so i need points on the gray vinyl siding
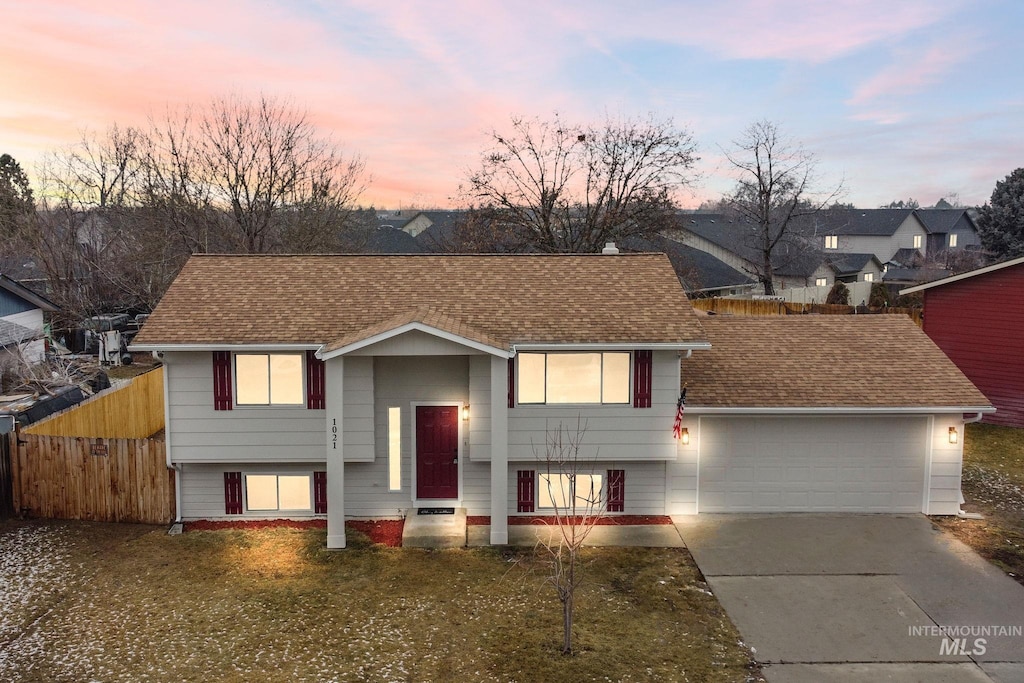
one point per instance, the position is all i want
(198, 433)
(885, 246)
(681, 474)
(202, 488)
(357, 412)
(644, 494)
(612, 432)
(480, 408)
(946, 467)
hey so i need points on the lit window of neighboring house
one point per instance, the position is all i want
(952, 240)
(869, 277)
(821, 282)
(831, 241)
(918, 240)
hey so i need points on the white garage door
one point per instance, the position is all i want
(812, 464)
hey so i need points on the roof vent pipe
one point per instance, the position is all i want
(610, 248)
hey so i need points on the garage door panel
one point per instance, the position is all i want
(770, 464)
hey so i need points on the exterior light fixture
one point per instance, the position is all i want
(465, 412)
(953, 436)
(684, 436)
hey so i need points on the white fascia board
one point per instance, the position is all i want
(962, 276)
(689, 346)
(844, 410)
(223, 347)
(410, 327)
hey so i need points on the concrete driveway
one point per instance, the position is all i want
(860, 597)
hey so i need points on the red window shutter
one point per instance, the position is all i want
(315, 382)
(222, 380)
(525, 491)
(511, 382)
(320, 493)
(616, 490)
(642, 379)
(232, 493)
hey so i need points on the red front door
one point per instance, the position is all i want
(437, 452)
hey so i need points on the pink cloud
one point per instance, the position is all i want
(911, 72)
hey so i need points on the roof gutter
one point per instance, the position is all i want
(222, 347)
(660, 346)
(840, 410)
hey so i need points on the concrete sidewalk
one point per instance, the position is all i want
(859, 597)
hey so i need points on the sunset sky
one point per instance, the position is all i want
(902, 98)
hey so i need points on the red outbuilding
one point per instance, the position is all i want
(977, 318)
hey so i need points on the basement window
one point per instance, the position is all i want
(560, 490)
(574, 378)
(268, 379)
(278, 492)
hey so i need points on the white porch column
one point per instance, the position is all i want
(334, 375)
(499, 451)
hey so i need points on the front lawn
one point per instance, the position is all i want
(104, 602)
(993, 484)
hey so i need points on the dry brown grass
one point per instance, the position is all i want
(993, 484)
(129, 603)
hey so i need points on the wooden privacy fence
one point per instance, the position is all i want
(767, 307)
(134, 411)
(104, 480)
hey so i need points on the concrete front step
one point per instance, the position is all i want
(434, 531)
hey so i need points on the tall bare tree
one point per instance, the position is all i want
(776, 185)
(558, 187)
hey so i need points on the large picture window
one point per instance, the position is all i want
(574, 377)
(273, 492)
(264, 379)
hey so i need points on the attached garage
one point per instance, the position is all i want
(821, 414)
(812, 464)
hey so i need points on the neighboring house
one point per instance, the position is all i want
(389, 240)
(371, 386)
(977, 318)
(700, 273)
(949, 229)
(22, 319)
(882, 232)
(821, 413)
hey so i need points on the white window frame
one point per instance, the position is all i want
(869, 277)
(952, 240)
(918, 241)
(831, 241)
(302, 378)
(545, 402)
(821, 282)
(278, 509)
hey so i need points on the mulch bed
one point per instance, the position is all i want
(384, 531)
(624, 520)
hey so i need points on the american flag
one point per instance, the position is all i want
(677, 428)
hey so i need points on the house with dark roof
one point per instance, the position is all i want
(376, 386)
(949, 229)
(22, 313)
(977, 319)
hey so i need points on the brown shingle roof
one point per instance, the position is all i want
(868, 361)
(427, 316)
(626, 298)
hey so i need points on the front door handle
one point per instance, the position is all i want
(455, 460)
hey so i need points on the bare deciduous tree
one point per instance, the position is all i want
(561, 188)
(578, 506)
(776, 185)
